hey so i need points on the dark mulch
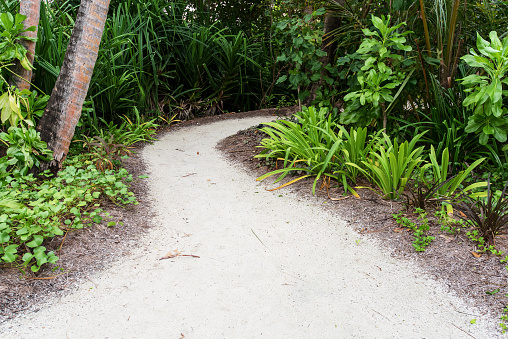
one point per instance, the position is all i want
(448, 259)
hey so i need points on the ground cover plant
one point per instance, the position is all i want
(420, 227)
(35, 209)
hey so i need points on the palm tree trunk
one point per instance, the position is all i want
(32, 9)
(64, 107)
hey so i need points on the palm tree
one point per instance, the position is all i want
(30, 8)
(64, 107)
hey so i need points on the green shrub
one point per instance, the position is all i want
(486, 91)
(380, 75)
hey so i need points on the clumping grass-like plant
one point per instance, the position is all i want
(488, 214)
(422, 195)
(355, 149)
(106, 152)
(311, 143)
(391, 166)
(427, 189)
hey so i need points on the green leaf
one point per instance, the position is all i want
(496, 91)
(14, 106)
(500, 134)
(494, 40)
(27, 257)
(9, 257)
(488, 129)
(484, 138)
(279, 80)
(492, 292)
(5, 107)
(320, 11)
(6, 21)
(481, 44)
(471, 61)
(11, 248)
(378, 23)
(37, 241)
(4, 237)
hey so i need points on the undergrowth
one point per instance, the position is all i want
(35, 209)
(420, 228)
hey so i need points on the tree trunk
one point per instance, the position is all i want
(331, 23)
(32, 9)
(64, 107)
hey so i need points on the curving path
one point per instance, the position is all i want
(268, 267)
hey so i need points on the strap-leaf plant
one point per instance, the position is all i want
(381, 73)
(391, 166)
(486, 89)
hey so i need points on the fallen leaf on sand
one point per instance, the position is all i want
(177, 253)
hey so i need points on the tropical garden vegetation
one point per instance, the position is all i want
(409, 96)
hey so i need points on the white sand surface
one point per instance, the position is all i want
(270, 265)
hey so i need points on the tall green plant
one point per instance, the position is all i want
(381, 73)
(157, 57)
(10, 50)
(485, 92)
(355, 149)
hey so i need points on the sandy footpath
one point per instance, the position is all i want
(270, 266)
